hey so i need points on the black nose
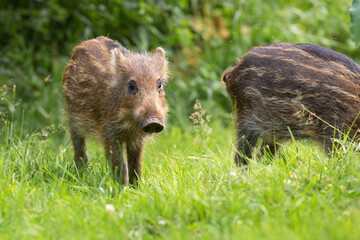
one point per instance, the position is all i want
(152, 125)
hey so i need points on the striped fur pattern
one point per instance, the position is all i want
(110, 92)
(272, 85)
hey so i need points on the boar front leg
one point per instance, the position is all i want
(134, 155)
(115, 158)
(79, 145)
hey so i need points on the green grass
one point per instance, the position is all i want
(190, 189)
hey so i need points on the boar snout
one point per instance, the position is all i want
(152, 125)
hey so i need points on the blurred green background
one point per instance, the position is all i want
(202, 38)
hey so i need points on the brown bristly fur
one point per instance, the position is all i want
(110, 93)
(272, 85)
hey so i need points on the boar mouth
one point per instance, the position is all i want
(152, 125)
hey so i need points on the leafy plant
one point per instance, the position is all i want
(201, 121)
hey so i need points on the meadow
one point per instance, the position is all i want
(190, 186)
(190, 189)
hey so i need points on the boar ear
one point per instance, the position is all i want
(160, 52)
(120, 55)
(225, 76)
(117, 59)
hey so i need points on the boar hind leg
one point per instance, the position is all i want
(246, 141)
(134, 154)
(79, 145)
(116, 160)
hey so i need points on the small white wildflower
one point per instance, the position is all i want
(233, 174)
(161, 222)
(110, 208)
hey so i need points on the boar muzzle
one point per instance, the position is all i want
(152, 125)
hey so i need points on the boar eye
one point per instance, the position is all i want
(132, 88)
(160, 85)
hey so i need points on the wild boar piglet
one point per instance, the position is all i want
(116, 97)
(299, 88)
